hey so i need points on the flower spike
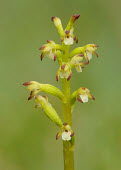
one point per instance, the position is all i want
(78, 59)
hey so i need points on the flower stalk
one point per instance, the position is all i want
(67, 117)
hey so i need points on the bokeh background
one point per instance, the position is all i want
(27, 136)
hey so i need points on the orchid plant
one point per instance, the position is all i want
(77, 58)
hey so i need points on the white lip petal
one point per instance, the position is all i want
(89, 54)
(78, 68)
(84, 97)
(51, 55)
(66, 135)
(64, 74)
(68, 41)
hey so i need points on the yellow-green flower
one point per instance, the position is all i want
(66, 132)
(82, 95)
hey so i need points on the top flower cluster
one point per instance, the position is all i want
(66, 60)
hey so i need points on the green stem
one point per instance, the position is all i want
(67, 117)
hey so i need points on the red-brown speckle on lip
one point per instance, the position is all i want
(65, 124)
(67, 32)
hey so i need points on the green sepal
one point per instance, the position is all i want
(49, 110)
(72, 21)
(58, 25)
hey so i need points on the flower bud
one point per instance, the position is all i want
(58, 25)
(36, 87)
(49, 110)
(72, 21)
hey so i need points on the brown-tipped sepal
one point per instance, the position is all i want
(27, 83)
(69, 76)
(58, 135)
(75, 38)
(72, 21)
(75, 17)
(79, 99)
(55, 56)
(42, 56)
(58, 25)
(57, 75)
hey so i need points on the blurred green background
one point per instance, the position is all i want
(27, 136)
